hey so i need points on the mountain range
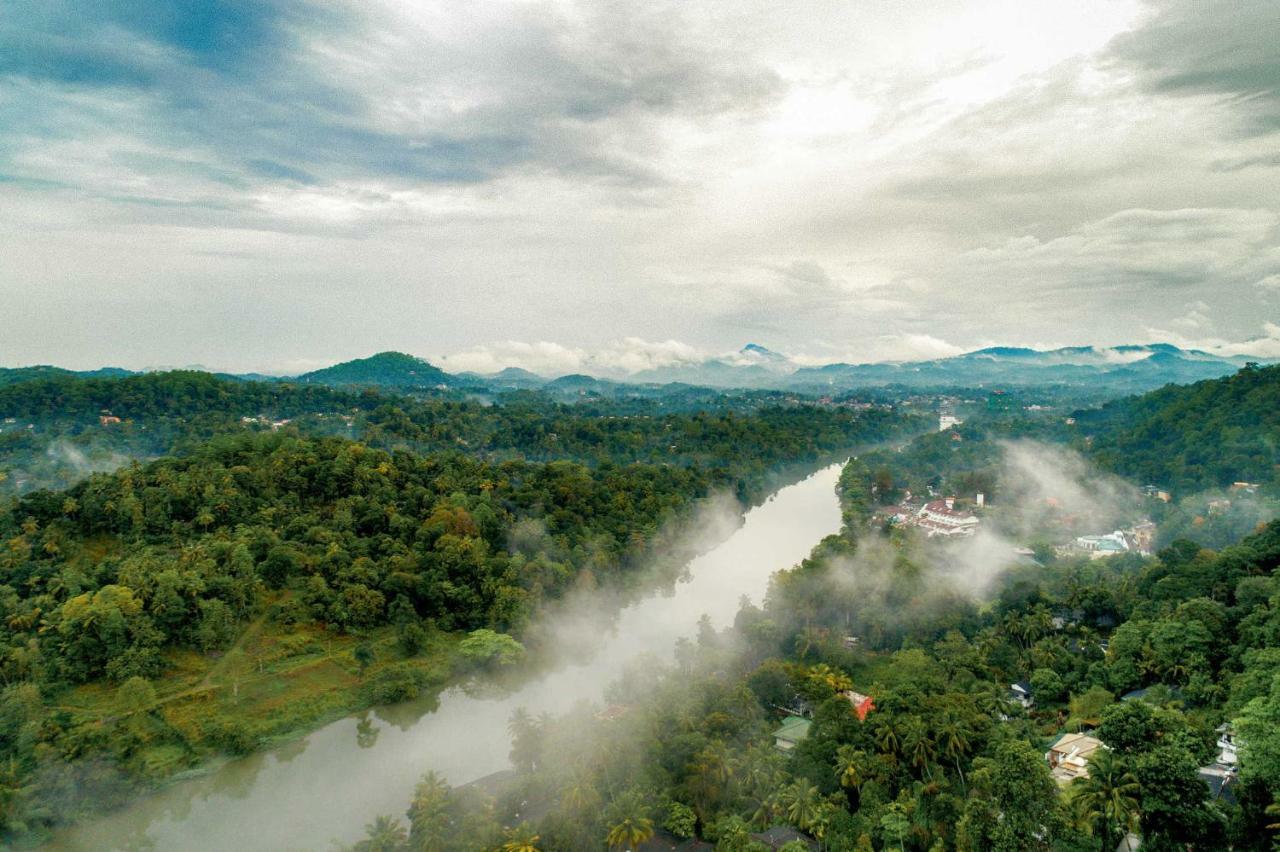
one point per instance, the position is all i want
(1124, 369)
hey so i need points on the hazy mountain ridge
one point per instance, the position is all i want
(1131, 368)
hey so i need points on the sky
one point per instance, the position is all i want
(279, 184)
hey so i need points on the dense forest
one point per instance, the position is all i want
(64, 428)
(260, 581)
(1193, 437)
(946, 759)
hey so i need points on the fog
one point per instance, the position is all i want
(1045, 493)
(325, 787)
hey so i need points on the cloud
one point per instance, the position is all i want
(267, 183)
(291, 92)
(617, 358)
(1264, 345)
(1228, 53)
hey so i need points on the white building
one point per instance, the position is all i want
(946, 421)
(940, 518)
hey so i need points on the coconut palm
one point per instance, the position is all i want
(801, 802)
(917, 746)
(1109, 796)
(887, 738)
(954, 736)
(429, 817)
(520, 839)
(629, 831)
(384, 834)
(851, 767)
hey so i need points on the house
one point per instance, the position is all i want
(793, 730)
(107, 420)
(1227, 744)
(946, 421)
(1020, 693)
(1068, 758)
(861, 704)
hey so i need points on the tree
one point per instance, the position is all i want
(1046, 685)
(851, 767)
(520, 839)
(800, 802)
(487, 647)
(1016, 805)
(364, 656)
(629, 831)
(1109, 797)
(1258, 729)
(894, 824)
(429, 814)
(1128, 727)
(1175, 814)
(384, 834)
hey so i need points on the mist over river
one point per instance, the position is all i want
(322, 789)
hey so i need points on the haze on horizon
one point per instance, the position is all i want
(281, 185)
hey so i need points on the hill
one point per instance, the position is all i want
(1204, 435)
(385, 370)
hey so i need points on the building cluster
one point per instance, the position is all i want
(936, 517)
(795, 728)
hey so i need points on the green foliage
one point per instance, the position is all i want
(1189, 438)
(484, 647)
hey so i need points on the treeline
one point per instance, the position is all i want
(165, 413)
(1194, 437)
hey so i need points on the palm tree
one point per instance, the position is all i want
(629, 832)
(801, 801)
(520, 839)
(954, 735)
(851, 766)
(887, 737)
(429, 819)
(917, 745)
(384, 834)
(1109, 795)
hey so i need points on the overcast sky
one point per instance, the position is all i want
(278, 184)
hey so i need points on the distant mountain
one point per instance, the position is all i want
(384, 370)
(753, 366)
(1128, 368)
(512, 378)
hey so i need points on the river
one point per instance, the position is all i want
(319, 791)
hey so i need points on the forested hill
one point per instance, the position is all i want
(1193, 437)
(386, 370)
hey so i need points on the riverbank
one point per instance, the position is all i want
(326, 785)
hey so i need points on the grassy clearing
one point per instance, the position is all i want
(274, 682)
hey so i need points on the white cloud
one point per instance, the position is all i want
(899, 180)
